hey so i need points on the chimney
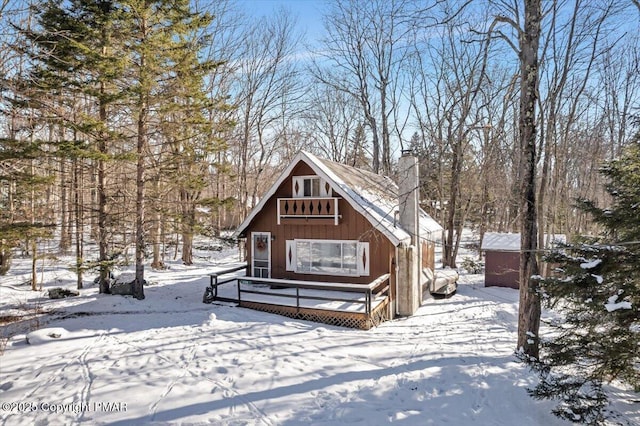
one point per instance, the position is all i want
(409, 294)
(408, 194)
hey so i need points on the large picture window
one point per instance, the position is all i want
(328, 257)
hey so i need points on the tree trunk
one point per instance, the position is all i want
(386, 142)
(138, 284)
(449, 252)
(77, 201)
(65, 238)
(188, 225)
(142, 108)
(103, 249)
(529, 312)
(34, 259)
(155, 230)
(155, 236)
(219, 196)
(187, 248)
(484, 212)
(5, 258)
(375, 141)
(458, 227)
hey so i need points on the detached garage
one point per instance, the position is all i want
(502, 257)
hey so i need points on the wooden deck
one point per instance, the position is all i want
(360, 306)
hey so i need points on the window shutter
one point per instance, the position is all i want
(290, 255)
(298, 186)
(363, 259)
(325, 188)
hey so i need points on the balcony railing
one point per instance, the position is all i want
(317, 210)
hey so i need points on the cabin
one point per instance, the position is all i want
(322, 222)
(502, 258)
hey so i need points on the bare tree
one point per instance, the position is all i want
(527, 46)
(333, 118)
(448, 76)
(575, 39)
(266, 87)
(618, 69)
(365, 49)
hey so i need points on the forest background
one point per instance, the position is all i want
(140, 124)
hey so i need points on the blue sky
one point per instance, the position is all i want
(307, 12)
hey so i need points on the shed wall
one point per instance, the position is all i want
(502, 269)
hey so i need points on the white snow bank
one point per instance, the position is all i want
(46, 335)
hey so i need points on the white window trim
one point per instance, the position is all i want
(362, 257)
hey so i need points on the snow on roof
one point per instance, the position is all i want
(372, 195)
(501, 241)
(497, 241)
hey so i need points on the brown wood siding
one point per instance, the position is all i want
(352, 226)
(502, 269)
(429, 255)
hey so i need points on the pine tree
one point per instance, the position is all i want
(596, 292)
(166, 72)
(76, 58)
(18, 184)
(191, 134)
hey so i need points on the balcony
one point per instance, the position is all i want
(320, 211)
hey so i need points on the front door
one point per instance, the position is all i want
(261, 254)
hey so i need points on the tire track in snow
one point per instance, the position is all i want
(87, 379)
(54, 374)
(481, 341)
(229, 392)
(81, 359)
(187, 357)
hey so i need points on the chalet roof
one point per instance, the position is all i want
(503, 241)
(374, 196)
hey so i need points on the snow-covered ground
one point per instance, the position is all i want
(170, 359)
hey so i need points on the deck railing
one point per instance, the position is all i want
(216, 280)
(373, 291)
(320, 210)
(272, 291)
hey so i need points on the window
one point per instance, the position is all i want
(328, 257)
(310, 186)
